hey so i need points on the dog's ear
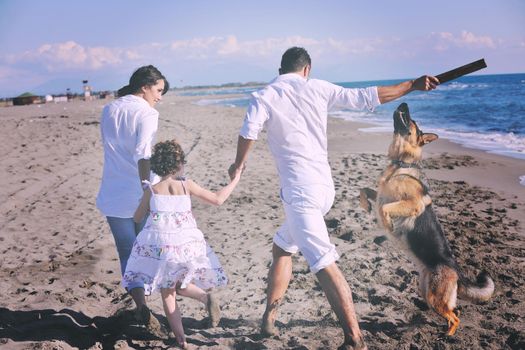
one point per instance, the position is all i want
(402, 120)
(428, 138)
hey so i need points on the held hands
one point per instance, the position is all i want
(425, 83)
(235, 171)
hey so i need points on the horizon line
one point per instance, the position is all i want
(248, 83)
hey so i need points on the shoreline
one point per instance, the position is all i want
(504, 144)
(447, 144)
(515, 166)
(476, 167)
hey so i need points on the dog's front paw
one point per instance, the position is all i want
(389, 224)
(387, 221)
(364, 202)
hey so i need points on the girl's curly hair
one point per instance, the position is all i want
(167, 158)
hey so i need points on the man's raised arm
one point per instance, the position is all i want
(392, 92)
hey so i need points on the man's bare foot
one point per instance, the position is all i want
(268, 325)
(354, 345)
(180, 341)
(214, 310)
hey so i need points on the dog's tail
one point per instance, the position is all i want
(479, 291)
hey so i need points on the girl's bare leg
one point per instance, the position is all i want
(208, 299)
(171, 309)
(193, 292)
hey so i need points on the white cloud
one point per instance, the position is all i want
(71, 55)
(229, 46)
(232, 46)
(193, 44)
(470, 39)
(103, 56)
(360, 46)
(261, 49)
(132, 55)
(445, 40)
(61, 59)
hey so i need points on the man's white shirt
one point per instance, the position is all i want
(294, 111)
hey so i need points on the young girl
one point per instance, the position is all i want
(170, 253)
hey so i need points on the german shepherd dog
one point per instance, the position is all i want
(404, 207)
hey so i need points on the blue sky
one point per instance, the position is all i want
(48, 46)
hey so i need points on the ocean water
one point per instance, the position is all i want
(484, 112)
(212, 91)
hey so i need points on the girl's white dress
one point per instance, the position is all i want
(171, 249)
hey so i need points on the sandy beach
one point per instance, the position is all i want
(60, 273)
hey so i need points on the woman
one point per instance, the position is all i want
(128, 126)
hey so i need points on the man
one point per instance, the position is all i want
(294, 110)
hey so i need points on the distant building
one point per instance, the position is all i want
(87, 91)
(61, 98)
(6, 102)
(26, 99)
(105, 95)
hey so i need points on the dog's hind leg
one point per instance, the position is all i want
(442, 295)
(366, 195)
(453, 322)
(443, 309)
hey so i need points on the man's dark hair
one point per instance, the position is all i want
(294, 59)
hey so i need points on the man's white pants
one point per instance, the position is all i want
(304, 228)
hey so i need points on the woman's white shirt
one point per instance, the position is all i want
(128, 126)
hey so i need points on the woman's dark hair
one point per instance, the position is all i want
(294, 59)
(144, 76)
(168, 158)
